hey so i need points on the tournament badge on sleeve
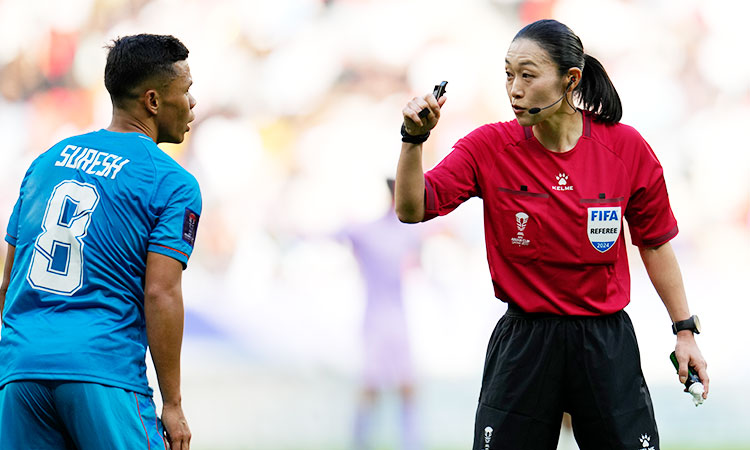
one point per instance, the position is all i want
(604, 226)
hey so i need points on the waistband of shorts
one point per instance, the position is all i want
(515, 311)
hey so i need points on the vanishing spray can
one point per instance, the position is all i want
(693, 383)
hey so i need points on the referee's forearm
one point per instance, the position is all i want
(664, 272)
(409, 192)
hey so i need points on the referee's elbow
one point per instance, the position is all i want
(409, 215)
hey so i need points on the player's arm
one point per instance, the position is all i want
(409, 192)
(165, 317)
(664, 271)
(9, 257)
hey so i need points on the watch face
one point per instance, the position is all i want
(697, 324)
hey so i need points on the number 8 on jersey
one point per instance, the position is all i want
(57, 264)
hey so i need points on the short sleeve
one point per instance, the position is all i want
(11, 235)
(648, 213)
(453, 180)
(12, 232)
(179, 208)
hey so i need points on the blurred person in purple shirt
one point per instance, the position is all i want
(383, 249)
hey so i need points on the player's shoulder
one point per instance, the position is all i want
(70, 140)
(53, 151)
(166, 165)
(169, 172)
(126, 144)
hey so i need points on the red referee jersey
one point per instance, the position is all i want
(553, 221)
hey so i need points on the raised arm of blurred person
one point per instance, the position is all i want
(164, 325)
(9, 256)
(664, 272)
(409, 196)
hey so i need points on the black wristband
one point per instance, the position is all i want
(411, 139)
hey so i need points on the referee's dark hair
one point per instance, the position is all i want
(134, 59)
(595, 91)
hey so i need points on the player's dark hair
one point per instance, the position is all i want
(133, 59)
(595, 92)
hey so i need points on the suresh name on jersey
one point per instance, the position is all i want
(89, 211)
(553, 221)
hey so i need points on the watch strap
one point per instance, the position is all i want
(687, 324)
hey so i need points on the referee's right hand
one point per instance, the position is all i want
(415, 125)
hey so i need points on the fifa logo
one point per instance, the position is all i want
(487, 437)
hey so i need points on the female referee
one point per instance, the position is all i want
(556, 184)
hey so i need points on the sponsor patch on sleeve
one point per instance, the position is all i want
(190, 226)
(603, 226)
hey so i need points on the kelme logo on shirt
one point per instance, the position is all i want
(603, 226)
(521, 220)
(562, 183)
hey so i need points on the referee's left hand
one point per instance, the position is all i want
(688, 354)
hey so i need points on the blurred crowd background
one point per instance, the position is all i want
(298, 109)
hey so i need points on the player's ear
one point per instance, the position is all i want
(151, 101)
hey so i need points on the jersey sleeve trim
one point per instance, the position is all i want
(10, 239)
(173, 249)
(661, 239)
(171, 252)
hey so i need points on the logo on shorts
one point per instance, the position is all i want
(646, 442)
(522, 219)
(487, 437)
(562, 183)
(603, 226)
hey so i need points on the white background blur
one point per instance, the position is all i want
(298, 110)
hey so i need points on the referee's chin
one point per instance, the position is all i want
(527, 120)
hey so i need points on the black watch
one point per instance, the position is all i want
(693, 324)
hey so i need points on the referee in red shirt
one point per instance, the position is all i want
(556, 184)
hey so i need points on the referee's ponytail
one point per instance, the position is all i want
(595, 92)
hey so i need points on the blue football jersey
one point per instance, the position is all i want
(89, 211)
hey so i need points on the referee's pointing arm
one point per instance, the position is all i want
(409, 174)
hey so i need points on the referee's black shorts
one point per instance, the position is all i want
(540, 365)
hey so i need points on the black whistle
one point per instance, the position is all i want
(437, 92)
